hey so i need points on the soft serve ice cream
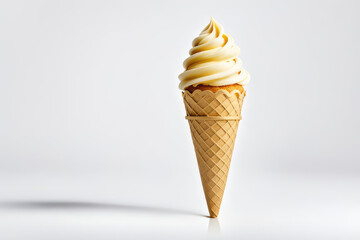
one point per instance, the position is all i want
(213, 60)
(213, 95)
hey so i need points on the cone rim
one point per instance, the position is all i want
(219, 92)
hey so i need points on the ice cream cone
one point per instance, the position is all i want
(213, 118)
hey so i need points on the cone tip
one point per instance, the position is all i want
(213, 214)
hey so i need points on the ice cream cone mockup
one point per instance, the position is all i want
(213, 94)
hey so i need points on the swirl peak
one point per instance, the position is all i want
(213, 60)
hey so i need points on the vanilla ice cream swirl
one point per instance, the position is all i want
(213, 60)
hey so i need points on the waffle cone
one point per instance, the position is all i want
(213, 118)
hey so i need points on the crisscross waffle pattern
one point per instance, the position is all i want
(213, 139)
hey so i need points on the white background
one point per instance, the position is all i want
(93, 140)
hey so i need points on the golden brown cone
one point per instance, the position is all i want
(213, 119)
